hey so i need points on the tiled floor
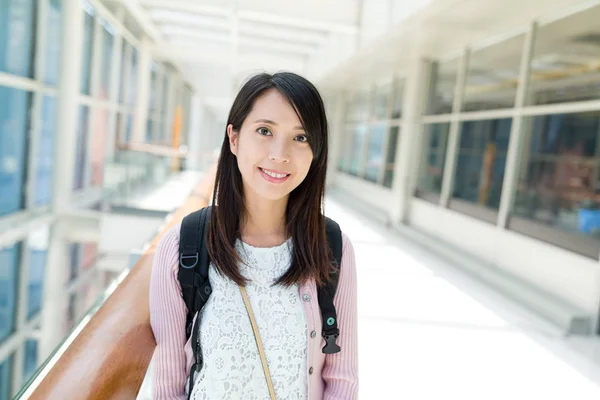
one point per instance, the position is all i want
(428, 331)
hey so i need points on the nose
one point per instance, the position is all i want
(279, 151)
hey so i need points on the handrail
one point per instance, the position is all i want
(109, 358)
(153, 149)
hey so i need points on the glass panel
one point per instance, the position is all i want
(107, 55)
(6, 378)
(53, 42)
(45, 151)
(74, 260)
(81, 149)
(358, 109)
(88, 46)
(380, 102)
(98, 145)
(398, 100)
(433, 158)
(9, 265)
(153, 89)
(14, 110)
(559, 182)
(565, 65)
(443, 81)
(165, 92)
(149, 127)
(481, 161)
(17, 33)
(346, 146)
(123, 79)
(38, 250)
(493, 76)
(31, 359)
(390, 160)
(128, 128)
(356, 151)
(132, 84)
(375, 153)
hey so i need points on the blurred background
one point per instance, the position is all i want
(464, 164)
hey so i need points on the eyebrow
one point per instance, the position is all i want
(268, 121)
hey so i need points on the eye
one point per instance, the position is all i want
(301, 138)
(264, 131)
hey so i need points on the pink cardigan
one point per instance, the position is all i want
(331, 377)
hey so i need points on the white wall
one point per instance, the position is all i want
(376, 196)
(569, 276)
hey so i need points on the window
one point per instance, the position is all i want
(443, 81)
(152, 106)
(380, 103)
(45, 151)
(87, 50)
(98, 145)
(433, 158)
(375, 152)
(481, 160)
(17, 35)
(559, 181)
(107, 55)
(74, 260)
(14, 110)
(81, 149)
(31, 359)
(390, 160)
(165, 94)
(358, 110)
(564, 66)
(123, 71)
(398, 100)
(6, 378)
(52, 43)
(132, 84)
(346, 147)
(356, 151)
(493, 76)
(9, 265)
(38, 250)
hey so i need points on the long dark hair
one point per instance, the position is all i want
(304, 220)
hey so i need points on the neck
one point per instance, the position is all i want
(264, 222)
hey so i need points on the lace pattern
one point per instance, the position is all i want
(232, 368)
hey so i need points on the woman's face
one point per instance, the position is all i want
(272, 149)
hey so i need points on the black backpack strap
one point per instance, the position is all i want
(193, 277)
(326, 293)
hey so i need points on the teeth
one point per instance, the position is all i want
(274, 175)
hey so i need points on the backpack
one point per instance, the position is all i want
(195, 287)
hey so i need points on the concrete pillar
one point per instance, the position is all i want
(142, 98)
(55, 301)
(405, 167)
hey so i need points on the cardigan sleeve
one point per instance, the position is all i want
(340, 371)
(167, 318)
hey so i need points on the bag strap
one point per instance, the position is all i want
(193, 277)
(326, 293)
(259, 344)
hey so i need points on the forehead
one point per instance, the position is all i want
(273, 106)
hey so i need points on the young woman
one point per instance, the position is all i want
(267, 233)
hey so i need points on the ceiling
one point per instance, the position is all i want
(217, 44)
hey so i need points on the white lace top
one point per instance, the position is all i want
(232, 367)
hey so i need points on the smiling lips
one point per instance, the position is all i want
(273, 176)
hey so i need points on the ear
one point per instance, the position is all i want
(233, 139)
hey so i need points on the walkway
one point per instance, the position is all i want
(428, 331)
